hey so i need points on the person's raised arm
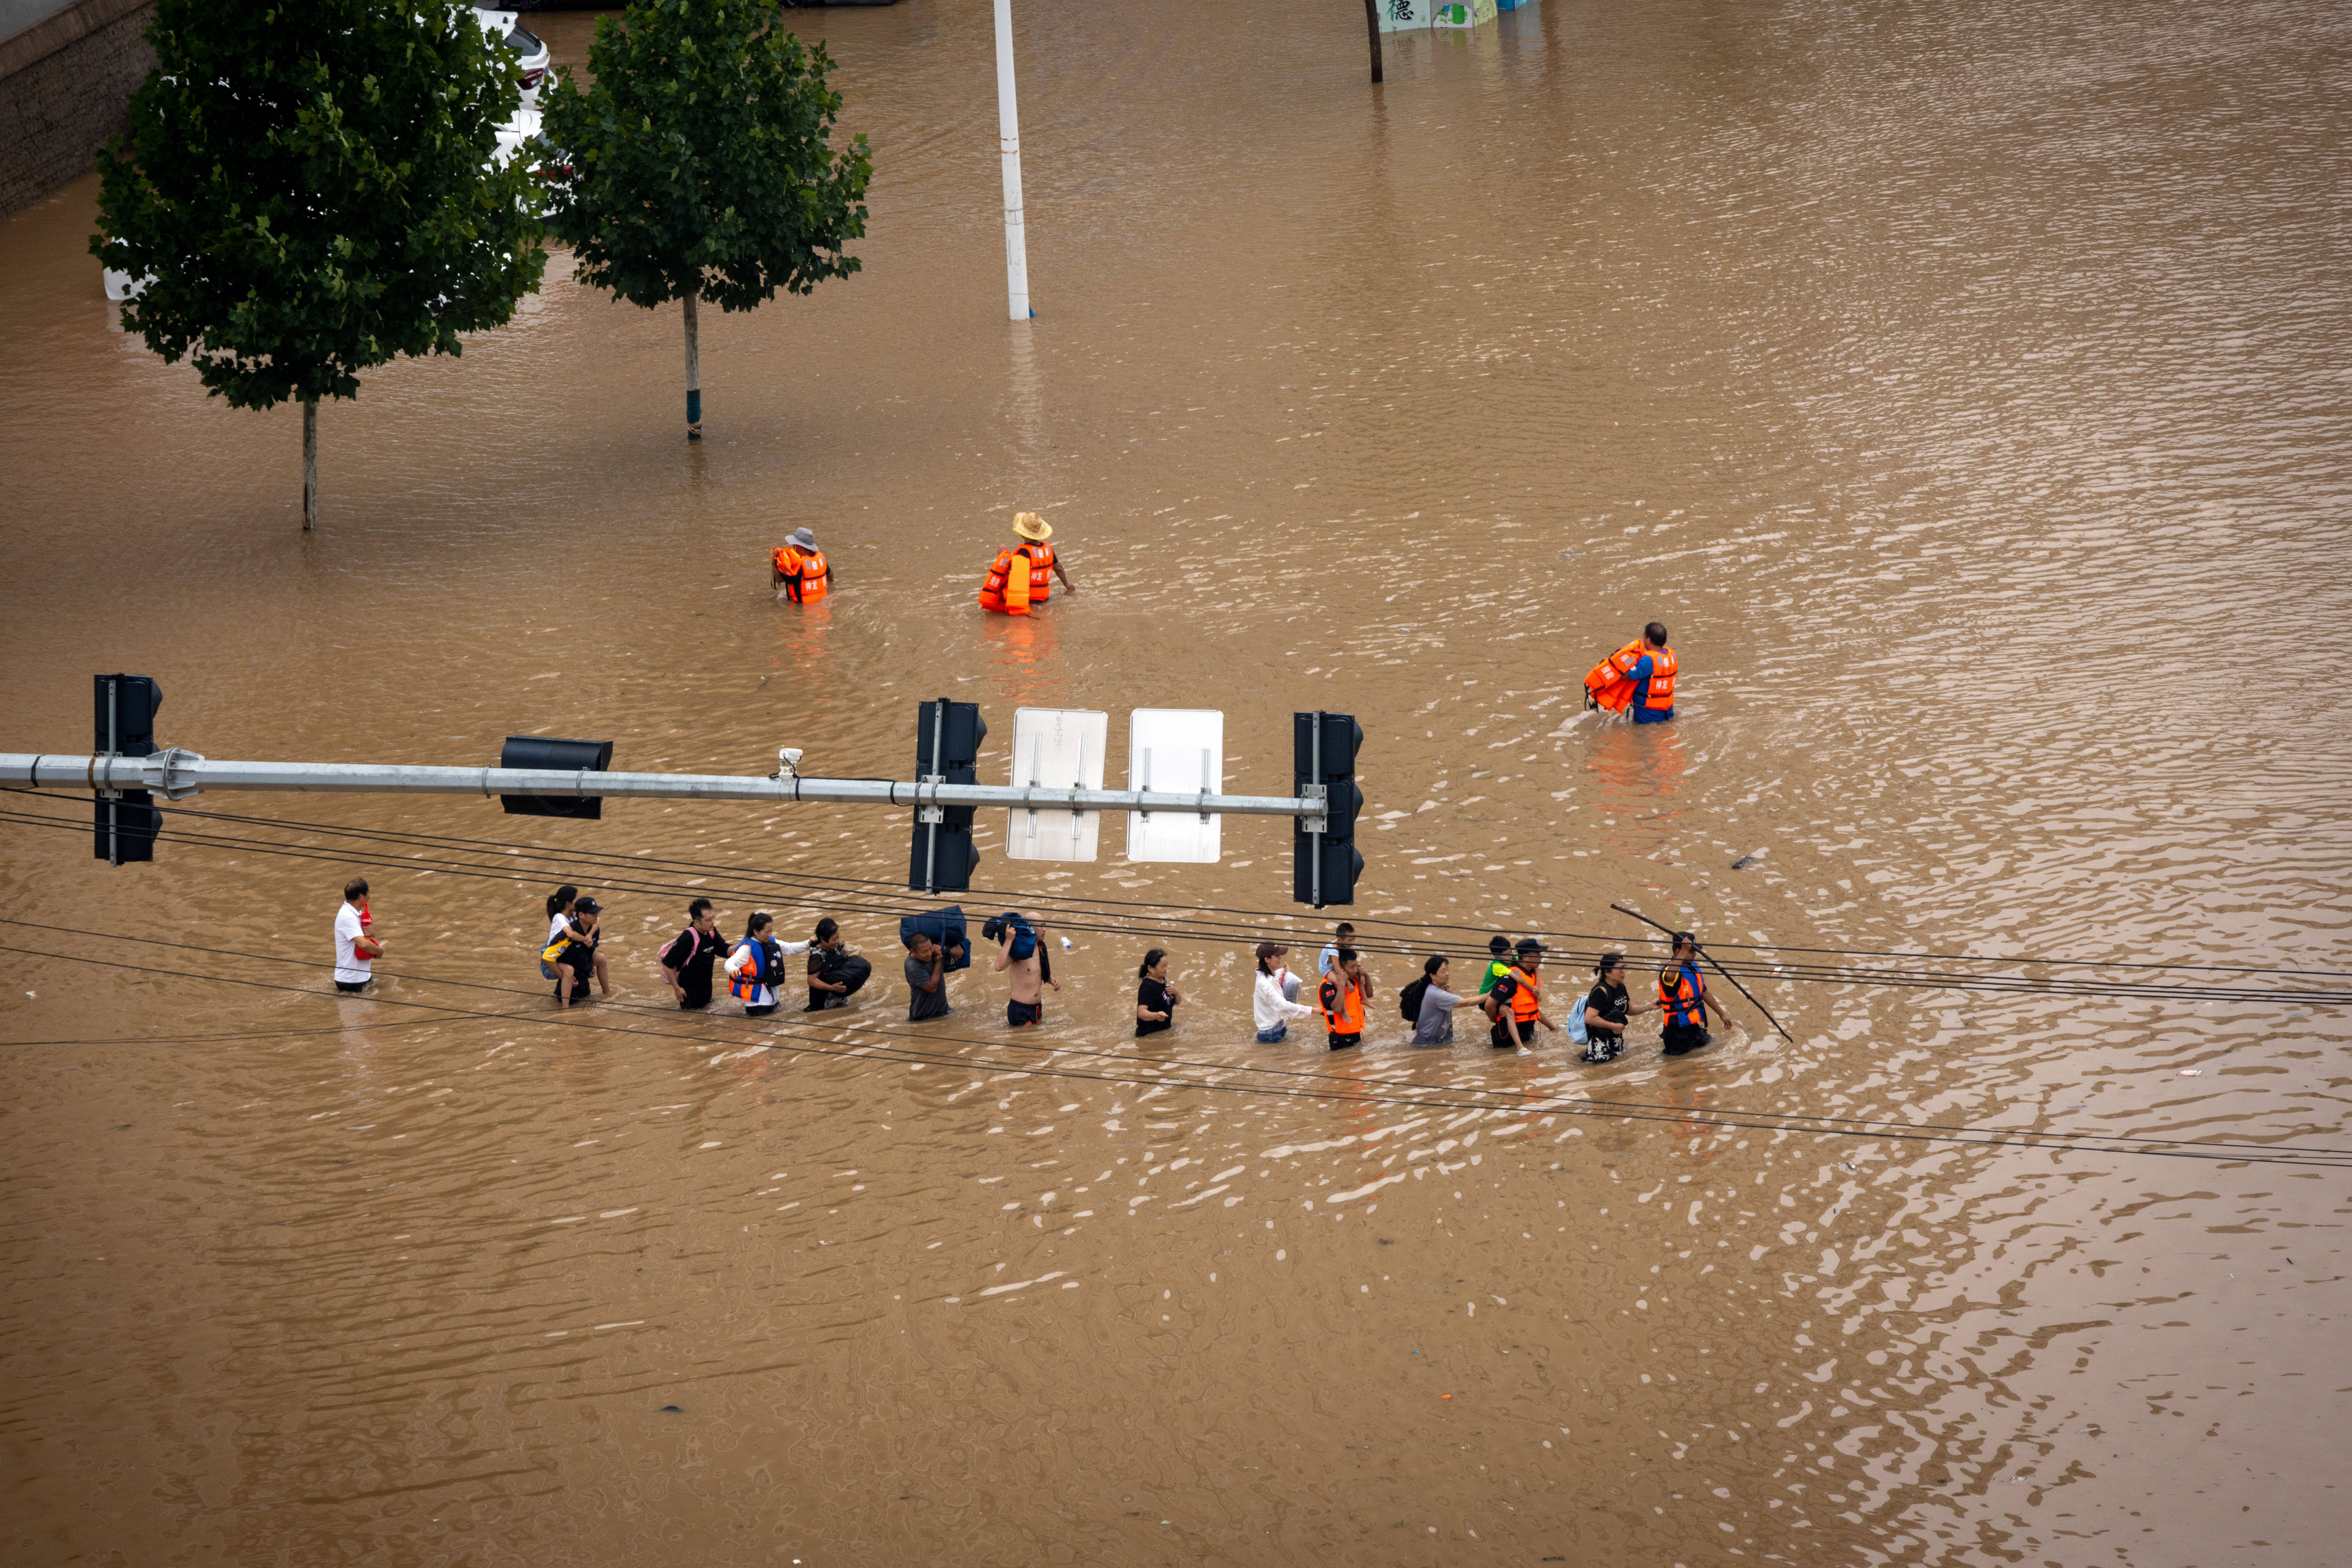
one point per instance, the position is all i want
(1004, 955)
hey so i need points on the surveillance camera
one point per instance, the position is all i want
(790, 756)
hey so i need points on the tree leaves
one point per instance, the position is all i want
(700, 158)
(304, 189)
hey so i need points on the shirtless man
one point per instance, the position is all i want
(1028, 974)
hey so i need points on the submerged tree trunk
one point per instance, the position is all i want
(310, 463)
(693, 370)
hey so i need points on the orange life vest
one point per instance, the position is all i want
(745, 987)
(1006, 588)
(1684, 996)
(806, 573)
(1040, 570)
(1611, 682)
(1350, 1017)
(1527, 1000)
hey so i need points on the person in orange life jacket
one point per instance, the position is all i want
(1021, 575)
(1345, 990)
(798, 571)
(1638, 678)
(1682, 997)
(1516, 1003)
(356, 946)
(755, 973)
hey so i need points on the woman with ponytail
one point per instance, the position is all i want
(1155, 999)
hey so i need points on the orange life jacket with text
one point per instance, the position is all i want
(1348, 1017)
(1005, 590)
(1683, 994)
(1612, 682)
(1527, 1000)
(1040, 570)
(804, 573)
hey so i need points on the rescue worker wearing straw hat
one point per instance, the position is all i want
(797, 570)
(1022, 576)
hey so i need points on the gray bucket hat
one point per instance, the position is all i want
(804, 538)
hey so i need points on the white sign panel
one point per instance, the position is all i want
(1174, 750)
(1056, 748)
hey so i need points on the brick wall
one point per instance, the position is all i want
(64, 86)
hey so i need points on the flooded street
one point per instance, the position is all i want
(1965, 389)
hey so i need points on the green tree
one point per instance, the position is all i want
(700, 164)
(304, 192)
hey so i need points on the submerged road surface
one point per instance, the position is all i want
(1964, 388)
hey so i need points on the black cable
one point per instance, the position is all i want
(1845, 1126)
(1187, 929)
(1015, 900)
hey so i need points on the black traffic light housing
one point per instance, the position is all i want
(547, 751)
(123, 725)
(942, 858)
(1323, 748)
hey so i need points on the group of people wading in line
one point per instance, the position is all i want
(1511, 997)
(1510, 993)
(1020, 579)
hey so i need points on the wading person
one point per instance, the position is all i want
(1682, 996)
(575, 952)
(1342, 995)
(685, 963)
(1021, 958)
(1274, 996)
(755, 972)
(1607, 1010)
(356, 947)
(797, 570)
(1429, 1002)
(1021, 575)
(927, 983)
(1516, 1003)
(560, 928)
(1638, 677)
(834, 974)
(1155, 997)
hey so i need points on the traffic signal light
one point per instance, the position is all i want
(564, 756)
(1323, 748)
(123, 725)
(946, 746)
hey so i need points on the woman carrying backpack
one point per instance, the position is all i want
(1428, 1006)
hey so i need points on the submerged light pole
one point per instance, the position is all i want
(1008, 134)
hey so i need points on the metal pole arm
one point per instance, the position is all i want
(178, 774)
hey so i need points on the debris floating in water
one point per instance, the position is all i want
(1746, 860)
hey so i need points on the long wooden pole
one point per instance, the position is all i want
(310, 463)
(1372, 25)
(1717, 967)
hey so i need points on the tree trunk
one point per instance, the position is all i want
(1372, 25)
(693, 368)
(310, 463)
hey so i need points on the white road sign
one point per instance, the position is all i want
(1056, 748)
(1179, 750)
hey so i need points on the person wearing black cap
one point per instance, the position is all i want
(1516, 1003)
(1682, 995)
(578, 954)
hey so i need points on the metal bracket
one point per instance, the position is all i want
(172, 762)
(1321, 821)
(930, 813)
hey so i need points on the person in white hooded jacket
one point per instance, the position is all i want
(1274, 1001)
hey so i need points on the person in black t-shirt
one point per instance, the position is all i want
(1607, 1008)
(686, 961)
(1155, 999)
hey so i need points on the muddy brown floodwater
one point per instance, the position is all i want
(1964, 386)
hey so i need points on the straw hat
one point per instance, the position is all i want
(1029, 525)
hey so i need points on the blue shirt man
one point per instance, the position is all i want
(1656, 663)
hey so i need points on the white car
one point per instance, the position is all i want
(530, 52)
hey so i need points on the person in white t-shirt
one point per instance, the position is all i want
(356, 947)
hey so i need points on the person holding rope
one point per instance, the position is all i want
(1682, 996)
